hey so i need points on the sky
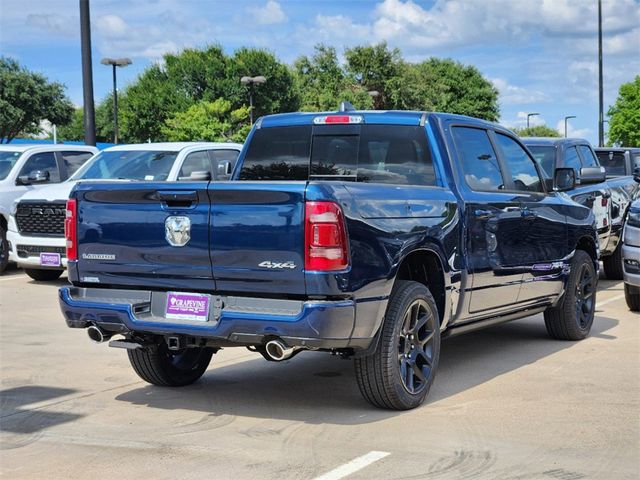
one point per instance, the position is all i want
(540, 54)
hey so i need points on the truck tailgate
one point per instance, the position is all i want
(257, 236)
(122, 235)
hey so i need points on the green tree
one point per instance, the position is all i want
(377, 68)
(624, 115)
(74, 130)
(210, 121)
(536, 131)
(323, 84)
(27, 98)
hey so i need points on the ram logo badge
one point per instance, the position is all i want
(276, 265)
(177, 231)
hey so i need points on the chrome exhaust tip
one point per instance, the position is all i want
(97, 335)
(277, 351)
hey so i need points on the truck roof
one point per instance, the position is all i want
(170, 146)
(21, 147)
(553, 141)
(389, 117)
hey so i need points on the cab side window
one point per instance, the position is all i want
(588, 158)
(520, 164)
(195, 162)
(73, 160)
(45, 162)
(571, 159)
(479, 161)
(220, 159)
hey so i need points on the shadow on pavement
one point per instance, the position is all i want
(316, 388)
(17, 417)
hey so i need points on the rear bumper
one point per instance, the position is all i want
(239, 321)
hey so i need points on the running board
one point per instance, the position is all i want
(490, 322)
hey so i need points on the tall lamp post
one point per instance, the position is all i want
(250, 82)
(565, 124)
(89, 116)
(529, 115)
(115, 62)
(600, 93)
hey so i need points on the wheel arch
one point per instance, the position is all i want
(425, 265)
(588, 244)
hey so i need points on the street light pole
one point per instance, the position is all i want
(600, 91)
(115, 62)
(89, 115)
(529, 115)
(565, 124)
(250, 82)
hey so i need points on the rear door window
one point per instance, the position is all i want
(195, 162)
(479, 161)
(220, 158)
(73, 160)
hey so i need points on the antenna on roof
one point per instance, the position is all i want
(346, 107)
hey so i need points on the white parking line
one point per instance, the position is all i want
(612, 299)
(353, 466)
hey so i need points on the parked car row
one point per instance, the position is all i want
(40, 180)
(370, 235)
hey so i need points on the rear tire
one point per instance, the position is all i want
(573, 317)
(160, 366)
(613, 264)
(399, 373)
(4, 249)
(42, 275)
(632, 296)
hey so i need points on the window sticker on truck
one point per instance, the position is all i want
(187, 306)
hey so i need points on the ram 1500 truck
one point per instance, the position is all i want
(609, 198)
(620, 161)
(367, 234)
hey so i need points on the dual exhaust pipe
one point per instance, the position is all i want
(97, 335)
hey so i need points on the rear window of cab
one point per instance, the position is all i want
(396, 154)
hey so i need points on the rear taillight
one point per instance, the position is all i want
(325, 237)
(71, 229)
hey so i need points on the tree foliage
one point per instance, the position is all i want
(26, 99)
(624, 115)
(537, 131)
(74, 130)
(208, 121)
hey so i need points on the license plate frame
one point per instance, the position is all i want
(187, 306)
(50, 259)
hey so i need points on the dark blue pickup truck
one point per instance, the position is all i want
(370, 235)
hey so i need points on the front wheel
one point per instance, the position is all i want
(4, 249)
(42, 275)
(400, 372)
(632, 296)
(573, 317)
(166, 368)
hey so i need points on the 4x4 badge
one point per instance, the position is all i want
(278, 265)
(177, 231)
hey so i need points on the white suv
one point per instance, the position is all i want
(36, 225)
(29, 167)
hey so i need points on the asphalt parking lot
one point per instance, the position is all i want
(508, 403)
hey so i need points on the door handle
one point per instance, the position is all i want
(528, 214)
(177, 198)
(482, 214)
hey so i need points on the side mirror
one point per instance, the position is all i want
(592, 175)
(37, 176)
(200, 176)
(224, 168)
(564, 179)
(636, 174)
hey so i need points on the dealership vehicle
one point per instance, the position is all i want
(618, 161)
(36, 225)
(366, 234)
(27, 167)
(631, 257)
(609, 198)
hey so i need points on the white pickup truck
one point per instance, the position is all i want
(28, 167)
(36, 224)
